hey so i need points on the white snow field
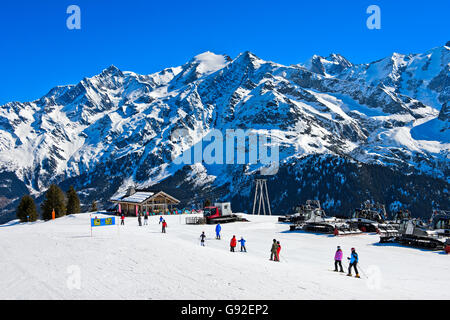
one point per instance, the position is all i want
(45, 260)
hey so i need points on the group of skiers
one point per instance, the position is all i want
(353, 262)
(161, 221)
(233, 241)
(275, 250)
(163, 224)
(145, 219)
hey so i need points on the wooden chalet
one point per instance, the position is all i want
(133, 202)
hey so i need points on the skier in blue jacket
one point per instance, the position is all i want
(353, 262)
(242, 241)
(218, 228)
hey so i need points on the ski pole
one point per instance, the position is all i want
(346, 266)
(363, 271)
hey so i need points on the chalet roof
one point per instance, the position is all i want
(140, 196)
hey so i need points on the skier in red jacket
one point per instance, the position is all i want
(278, 251)
(164, 226)
(233, 243)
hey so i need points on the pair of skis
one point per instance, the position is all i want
(343, 273)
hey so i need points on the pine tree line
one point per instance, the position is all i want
(55, 199)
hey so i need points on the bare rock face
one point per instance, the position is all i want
(444, 114)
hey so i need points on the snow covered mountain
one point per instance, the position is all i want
(114, 129)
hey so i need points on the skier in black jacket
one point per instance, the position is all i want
(202, 239)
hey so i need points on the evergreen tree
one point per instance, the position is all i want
(93, 206)
(73, 202)
(26, 211)
(207, 203)
(54, 200)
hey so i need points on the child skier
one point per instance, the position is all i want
(353, 263)
(278, 251)
(146, 219)
(273, 250)
(122, 219)
(139, 220)
(202, 239)
(233, 243)
(218, 229)
(338, 259)
(164, 226)
(161, 219)
(242, 241)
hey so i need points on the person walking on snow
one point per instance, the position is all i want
(273, 250)
(139, 220)
(145, 218)
(233, 243)
(338, 259)
(218, 229)
(242, 241)
(278, 251)
(353, 263)
(164, 226)
(161, 219)
(122, 219)
(202, 239)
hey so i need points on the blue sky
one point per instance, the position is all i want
(39, 52)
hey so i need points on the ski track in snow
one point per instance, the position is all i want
(132, 262)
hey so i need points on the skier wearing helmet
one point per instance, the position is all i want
(353, 263)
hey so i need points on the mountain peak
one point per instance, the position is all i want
(207, 55)
(339, 60)
(112, 70)
(248, 55)
(247, 58)
(209, 62)
(332, 65)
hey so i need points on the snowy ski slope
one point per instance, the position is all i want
(131, 262)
